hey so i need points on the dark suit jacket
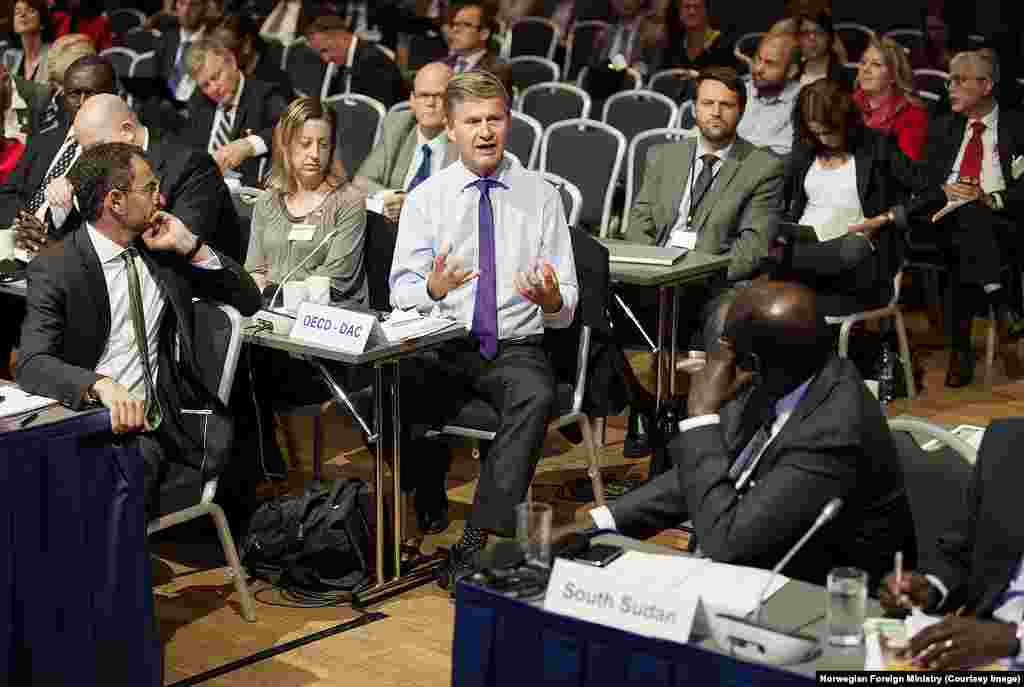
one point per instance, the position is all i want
(980, 557)
(836, 444)
(67, 324)
(845, 272)
(373, 74)
(194, 192)
(945, 134)
(166, 50)
(26, 178)
(259, 109)
(739, 215)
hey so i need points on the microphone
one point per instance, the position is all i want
(750, 639)
(330, 235)
(828, 512)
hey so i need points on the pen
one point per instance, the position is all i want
(26, 421)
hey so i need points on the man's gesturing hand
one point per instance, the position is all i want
(542, 290)
(60, 193)
(127, 413)
(447, 274)
(29, 232)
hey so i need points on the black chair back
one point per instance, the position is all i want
(359, 119)
(533, 36)
(121, 59)
(124, 20)
(936, 484)
(528, 70)
(589, 154)
(549, 103)
(584, 38)
(633, 112)
(139, 41)
(524, 140)
(379, 244)
(306, 69)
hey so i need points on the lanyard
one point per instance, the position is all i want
(692, 205)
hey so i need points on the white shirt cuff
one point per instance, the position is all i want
(699, 421)
(943, 590)
(603, 518)
(211, 263)
(258, 144)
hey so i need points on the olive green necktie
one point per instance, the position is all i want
(153, 414)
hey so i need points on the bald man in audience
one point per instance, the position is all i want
(778, 425)
(414, 144)
(772, 89)
(191, 188)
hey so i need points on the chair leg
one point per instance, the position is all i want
(990, 348)
(227, 543)
(593, 460)
(844, 338)
(908, 365)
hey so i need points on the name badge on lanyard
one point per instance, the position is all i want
(681, 238)
(302, 232)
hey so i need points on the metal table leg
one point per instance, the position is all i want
(663, 296)
(673, 343)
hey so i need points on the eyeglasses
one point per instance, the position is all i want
(961, 80)
(465, 25)
(149, 189)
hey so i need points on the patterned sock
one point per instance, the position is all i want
(473, 540)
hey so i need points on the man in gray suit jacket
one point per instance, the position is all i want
(716, 193)
(413, 146)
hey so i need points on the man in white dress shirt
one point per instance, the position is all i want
(485, 242)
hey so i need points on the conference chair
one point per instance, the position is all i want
(849, 72)
(589, 154)
(935, 481)
(976, 40)
(478, 420)
(554, 102)
(244, 198)
(572, 199)
(400, 106)
(122, 59)
(636, 162)
(359, 125)
(125, 19)
(633, 112)
(746, 46)
(274, 51)
(632, 79)
(535, 36)
(893, 311)
(524, 135)
(675, 83)
(931, 81)
(910, 39)
(855, 37)
(305, 68)
(529, 70)
(687, 118)
(144, 65)
(218, 343)
(583, 37)
(140, 41)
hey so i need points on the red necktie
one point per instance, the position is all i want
(970, 166)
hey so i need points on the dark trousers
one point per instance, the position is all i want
(12, 311)
(518, 384)
(652, 507)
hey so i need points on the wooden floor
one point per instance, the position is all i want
(412, 646)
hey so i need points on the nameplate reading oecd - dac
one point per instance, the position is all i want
(343, 330)
(598, 595)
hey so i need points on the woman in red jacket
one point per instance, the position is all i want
(885, 96)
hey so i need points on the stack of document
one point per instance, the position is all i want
(16, 402)
(404, 325)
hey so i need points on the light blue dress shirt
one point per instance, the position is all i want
(768, 122)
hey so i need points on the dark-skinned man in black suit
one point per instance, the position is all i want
(230, 116)
(977, 579)
(78, 341)
(773, 377)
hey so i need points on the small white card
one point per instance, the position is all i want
(684, 239)
(343, 330)
(643, 605)
(302, 232)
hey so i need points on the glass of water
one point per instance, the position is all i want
(533, 532)
(847, 602)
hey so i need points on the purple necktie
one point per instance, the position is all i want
(485, 309)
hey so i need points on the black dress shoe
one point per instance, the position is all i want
(638, 435)
(431, 510)
(961, 369)
(458, 566)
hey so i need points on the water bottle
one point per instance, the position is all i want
(886, 375)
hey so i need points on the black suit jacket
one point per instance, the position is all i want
(67, 324)
(980, 557)
(845, 272)
(373, 74)
(259, 109)
(945, 135)
(26, 178)
(166, 50)
(835, 444)
(194, 192)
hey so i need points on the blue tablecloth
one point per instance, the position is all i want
(502, 642)
(76, 598)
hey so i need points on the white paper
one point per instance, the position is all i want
(375, 203)
(838, 224)
(17, 402)
(684, 239)
(404, 325)
(972, 434)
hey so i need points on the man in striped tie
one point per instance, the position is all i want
(230, 116)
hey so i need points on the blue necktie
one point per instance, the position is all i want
(424, 170)
(485, 309)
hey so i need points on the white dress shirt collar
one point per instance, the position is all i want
(501, 172)
(434, 142)
(991, 120)
(106, 249)
(704, 149)
(470, 60)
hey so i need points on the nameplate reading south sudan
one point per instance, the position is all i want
(343, 330)
(643, 606)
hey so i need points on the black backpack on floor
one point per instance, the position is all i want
(316, 541)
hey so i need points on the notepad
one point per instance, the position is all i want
(17, 402)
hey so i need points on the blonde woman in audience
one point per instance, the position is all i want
(885, 96)
(306, 197)
(34, 32)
